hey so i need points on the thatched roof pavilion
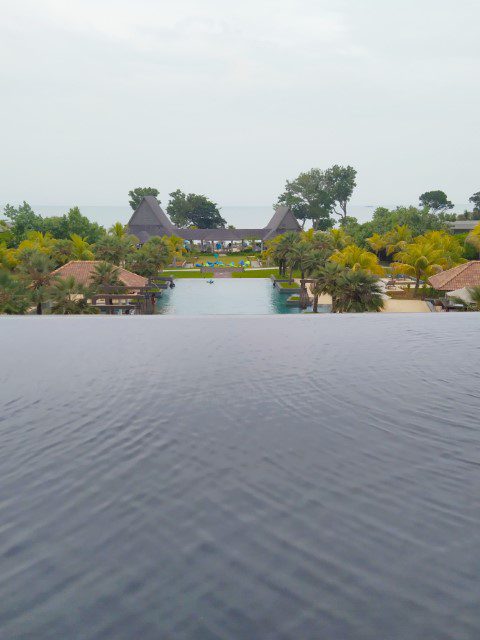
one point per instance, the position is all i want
(150, 220)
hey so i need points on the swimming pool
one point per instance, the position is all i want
(249, 296)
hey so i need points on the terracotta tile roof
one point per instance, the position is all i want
(465, 275)
(82, 271)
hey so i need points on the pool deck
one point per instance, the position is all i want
(392, 306)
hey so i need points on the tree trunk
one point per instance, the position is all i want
(303, 293)
(315, 303)
(417, 285)
(39, 308)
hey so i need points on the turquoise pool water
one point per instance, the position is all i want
(250, 296)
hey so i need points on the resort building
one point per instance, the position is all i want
(150, 220)
(82, 271)
(460, 277)
(463, 226)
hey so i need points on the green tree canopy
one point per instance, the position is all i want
(436, 201)
(137, 194)
(475, 199)
(194, 210)
(151, 258)
(340, 183)
(73, 222)
(309, 199)
(23, 219)
(14, 298)
(6, 236)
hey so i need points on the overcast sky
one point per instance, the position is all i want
(229, 98)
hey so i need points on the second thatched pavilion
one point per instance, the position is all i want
(150, 220)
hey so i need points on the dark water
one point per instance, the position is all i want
(285, 477)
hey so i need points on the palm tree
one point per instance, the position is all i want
(357, 258)
(13, 295)
(151, 258)
(315, 260)
(62, 252)
(177, 246)
(316, 289)
(358, 292)
(35, 269)
(449, 245)
(280, 248)
(115, 249)
(118, 230)
(340, 238)
(105, 275)
(37, 241)
(420, 260)
(326, 280)
(70, 297)
(397, 239)
(80, 248)
(376, 242)
(324, 241)
(300, 257)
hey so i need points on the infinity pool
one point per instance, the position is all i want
(240, 478)
(250, 296)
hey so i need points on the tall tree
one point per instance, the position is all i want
(309, 199)
(13, 295)
(340, 183)
(327, 280)
(73, 222)
(35, 268)
(137, 194)
(436, 201)
(420, 260)
(475, 200)
(280, 248)
(23, 219)
(194, 210)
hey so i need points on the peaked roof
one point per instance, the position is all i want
(465, 275)
(82, 271)
(151, 218)
(282, 220)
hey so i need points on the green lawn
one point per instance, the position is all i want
(256, 273)
(226, 259)
(177, 274)
(249, 273)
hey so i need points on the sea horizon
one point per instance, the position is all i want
(239, 215)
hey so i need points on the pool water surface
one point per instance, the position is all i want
(249, 296)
